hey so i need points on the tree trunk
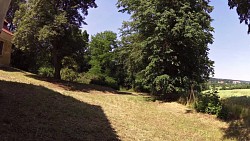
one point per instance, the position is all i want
(57, 64)
(191, 98)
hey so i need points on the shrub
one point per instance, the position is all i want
(46, 71)
(162, 85)
(98, 79)
(82, 78)
(164, 88)
(210, 103)
(69, 74)
(111, 82)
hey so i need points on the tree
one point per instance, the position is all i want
(51, 26)
(169, 40)
(242, 9)
(102, 49)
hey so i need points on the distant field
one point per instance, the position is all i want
(34, 108)
(232, 93)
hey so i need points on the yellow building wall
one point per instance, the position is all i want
(6, 53)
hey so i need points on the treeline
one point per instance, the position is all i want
(218, 86)
(227, 81)
(163, 49)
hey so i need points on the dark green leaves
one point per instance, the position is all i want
(172, 40)
(242, 9)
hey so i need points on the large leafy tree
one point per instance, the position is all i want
(169, 41)
(242, 9)
(102, 53)
(52, 27)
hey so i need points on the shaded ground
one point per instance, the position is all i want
(239, 125)
(29, 112)
(33, 108)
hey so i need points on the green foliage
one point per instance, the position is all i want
(90, 78)
(46, 71)
(104, 69)
(242, 9)
(164, 88)
(102, 53)
(210, 103)
(52, 27)
(22, 60)
(226, 85)
(234, 86)
(167, 38)
(111, 82)
(69, 74)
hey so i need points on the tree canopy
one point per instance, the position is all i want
(52, 26)
(163, 48)
(102, 51)
(171, 40)
(242, 9)
(101, 48)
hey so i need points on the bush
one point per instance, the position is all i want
(46, 71)
(164, 88)
(98, 79)
(210, 103)
(111, 82)
(69, 74)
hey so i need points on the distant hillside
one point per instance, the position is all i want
(228, 81)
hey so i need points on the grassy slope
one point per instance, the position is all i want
(238, 103)
(35, 109)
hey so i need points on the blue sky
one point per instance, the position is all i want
(231, 47)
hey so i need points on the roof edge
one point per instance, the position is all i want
(8, 32)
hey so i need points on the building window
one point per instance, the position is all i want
(1, 47)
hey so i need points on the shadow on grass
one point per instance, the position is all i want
(29, 112)
(239, 113)
(9, 69)
(74, 86)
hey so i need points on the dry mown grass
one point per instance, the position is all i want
(33, 109)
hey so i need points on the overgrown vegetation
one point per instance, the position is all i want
(166, 45)
(52, 29)
(210, 103)
(163, 49)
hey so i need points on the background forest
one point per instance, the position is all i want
(163, 49)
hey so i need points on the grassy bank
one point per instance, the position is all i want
(34, 108)
(238, 104)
